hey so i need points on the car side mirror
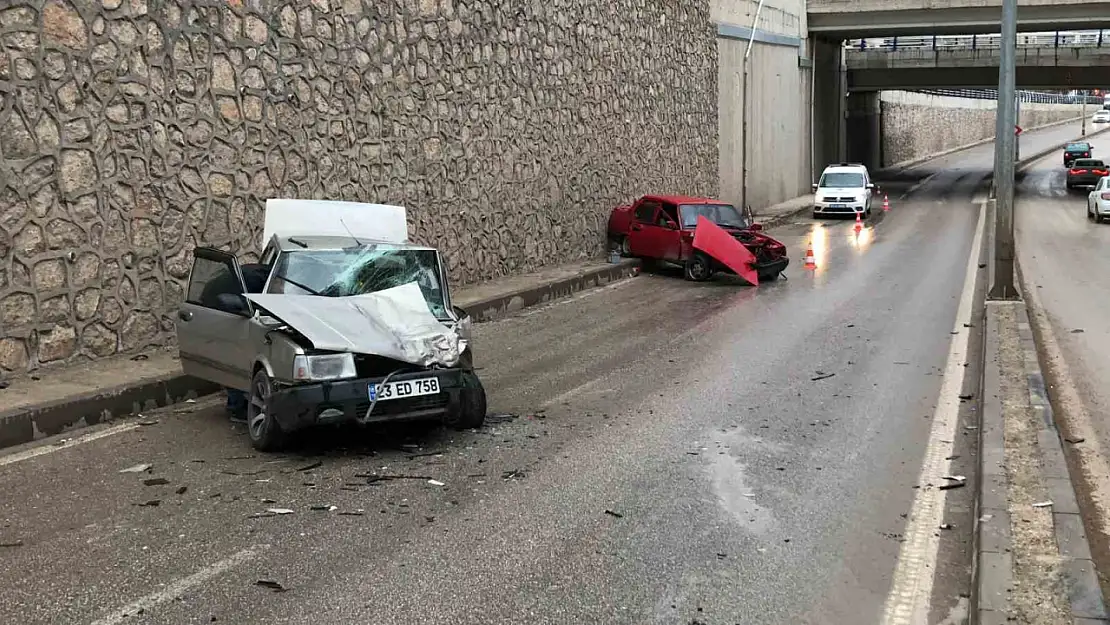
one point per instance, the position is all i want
(756, 227)
(870, 185)
(464, 328)
(233, 303)
(814, 186)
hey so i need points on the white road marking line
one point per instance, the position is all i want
(48, 448)
(912, 588)
(179, 587)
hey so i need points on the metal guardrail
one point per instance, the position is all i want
(1062, 39)
(1037, 97)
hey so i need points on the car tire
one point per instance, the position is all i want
(472, 408)
(816, 215)
(768, 277)
(625, 248)
(262, 428)
(698, 268)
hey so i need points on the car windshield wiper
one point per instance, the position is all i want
(298, 285)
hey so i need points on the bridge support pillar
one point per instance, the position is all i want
(829, 103)
(864, 129)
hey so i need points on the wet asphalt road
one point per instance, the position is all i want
(744, 491)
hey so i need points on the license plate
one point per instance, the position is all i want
(838, 206)
(404, 388)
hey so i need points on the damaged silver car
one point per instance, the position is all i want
(336, 328)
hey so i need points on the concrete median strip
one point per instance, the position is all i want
(1033, 561)
(27, 423)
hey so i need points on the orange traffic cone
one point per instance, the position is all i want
(859, 223)
(811, 262)
(886, 203)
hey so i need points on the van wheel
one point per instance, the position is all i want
(263, 429)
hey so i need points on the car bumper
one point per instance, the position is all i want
(1083, 181)
(772, 267)
(836, 208)
(326, 403)
(1102, 208)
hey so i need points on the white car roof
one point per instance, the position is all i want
(845, 168)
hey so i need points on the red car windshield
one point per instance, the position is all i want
(721, 214)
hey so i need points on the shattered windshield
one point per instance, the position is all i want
(359, 271)
(720, 214)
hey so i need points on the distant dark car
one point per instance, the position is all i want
(1073, 151)
(1086, 172)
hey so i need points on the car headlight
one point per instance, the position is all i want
(323, 367)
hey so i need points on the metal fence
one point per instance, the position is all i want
(1026, 96)
(1061, 39)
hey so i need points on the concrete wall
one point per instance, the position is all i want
(779, 114)
(915, 125)
(133, 130)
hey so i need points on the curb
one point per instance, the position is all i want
(28, 424)
(993, 569)
(501, 305)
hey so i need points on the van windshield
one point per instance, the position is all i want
(843, 179)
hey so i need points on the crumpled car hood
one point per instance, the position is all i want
(394, 323)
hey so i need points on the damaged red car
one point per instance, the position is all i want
(661, 228)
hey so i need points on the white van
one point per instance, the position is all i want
(843, 189)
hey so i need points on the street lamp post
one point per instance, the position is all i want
(1005, 143)
(744, 112)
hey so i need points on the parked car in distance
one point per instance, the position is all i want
(1102, 117)
(843, 189)
(347, 328)
(1086, 172)
(661, 228)
(1098, 201)
(1079, 149)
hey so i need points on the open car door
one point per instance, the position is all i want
(213, 323)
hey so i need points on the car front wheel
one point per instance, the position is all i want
(697, 268)
(471, 412)
(263, 429)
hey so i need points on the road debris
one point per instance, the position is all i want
(614, 514)
(952, 485)
(967, 397)
(1074, 440)
(156, 481)
(1078, 331)
(352, 513)
(11, 543)
(946, 526)
(139, 468)
(153, 503)
(955, 478)
(1042, 504)
(822, 376)
(436, 483)
(146, 422)
(279, 510)
(181, 490)
(138, 357)
(508, 475)
(501, 418)
(271, 584)
(314, 465)
(324, 508)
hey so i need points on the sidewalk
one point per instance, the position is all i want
(1033, 560)
(57, 400)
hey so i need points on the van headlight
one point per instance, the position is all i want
(324, 367)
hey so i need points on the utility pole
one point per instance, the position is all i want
(1004, 147)
(744, 112)
(1083, 98)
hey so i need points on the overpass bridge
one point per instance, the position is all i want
(1044, 61)
(847, 19)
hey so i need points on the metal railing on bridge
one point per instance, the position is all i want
(1039, 97)
(1061, 39)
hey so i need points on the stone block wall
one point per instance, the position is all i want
(132, 131)
(916, 125)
